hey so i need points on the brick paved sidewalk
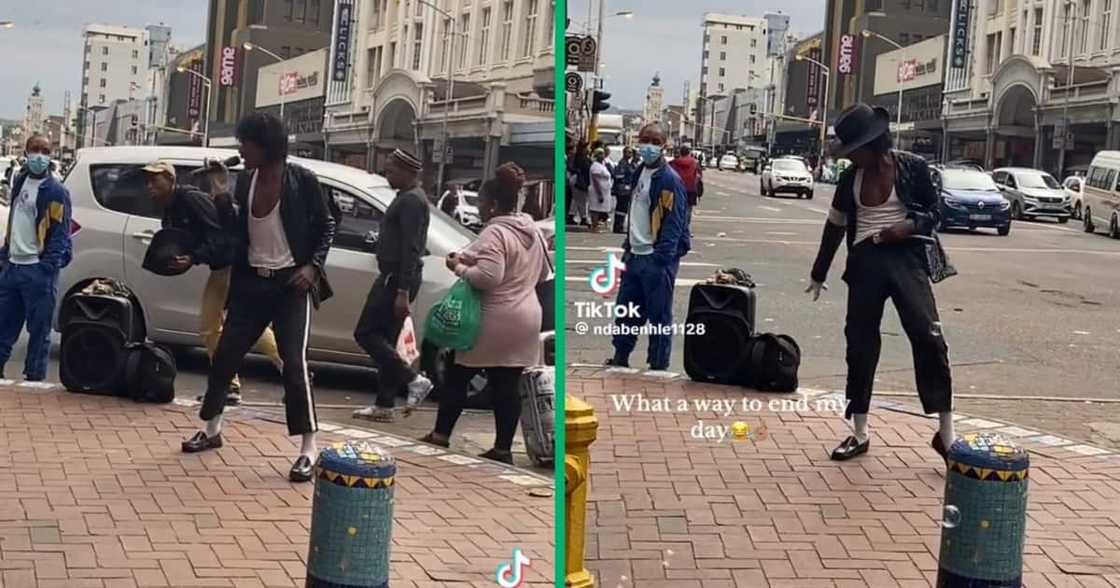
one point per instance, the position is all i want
(94, 491)
(669, 510)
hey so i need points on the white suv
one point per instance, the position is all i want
(118, 220)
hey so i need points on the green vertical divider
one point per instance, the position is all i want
(560, 20)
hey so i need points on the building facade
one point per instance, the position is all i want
(734, 54)
(115, 64)
(404, 70)
(1032, 66)
(297, 87)
(34, 117)
(287, 28)
(912, 78)
(184, 102)
(801, 99)
(655, 99)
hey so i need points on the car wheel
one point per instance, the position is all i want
(1087, 220)
(761, 188)
(810, 194)
(1063, 220)
(1004, 230)
(1114, 227)
(1016, 211)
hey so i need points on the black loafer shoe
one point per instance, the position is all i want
(200, 442)
(939, 446)
(615, 362)
(301, 470)
(850, 448)
(505, 457)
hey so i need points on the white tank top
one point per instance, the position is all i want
(268, 244)
(870, 220)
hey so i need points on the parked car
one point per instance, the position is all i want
(1101, 194)
(118, 221)
(1073, 186)
(786, 175)
(969, 198)
(1032, 193)
(461, 205)
(728, 161)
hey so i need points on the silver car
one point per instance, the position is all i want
(118, 221)
(1033, 194)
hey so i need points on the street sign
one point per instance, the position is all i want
(958, 33)
(438, 148)
(573, 82)
(589, 52)
(1061, 131)
(572, 50)
(905, 127)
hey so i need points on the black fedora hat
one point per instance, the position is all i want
(165, 246)
(859, 125)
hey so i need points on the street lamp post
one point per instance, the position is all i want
(451, 33)
(205, 84)
(898, 117)
(253, 46)
(1070, 7)
(824, 101)
(594, 130)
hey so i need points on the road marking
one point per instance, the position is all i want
(599, 261)
(781, 234)
(770, 208)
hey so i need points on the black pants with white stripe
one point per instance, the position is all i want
(874, 274)
(254, 303)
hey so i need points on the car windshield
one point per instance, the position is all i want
(1036, 180)
(967, 179)
(789, 165)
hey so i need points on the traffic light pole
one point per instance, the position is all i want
(593, 131)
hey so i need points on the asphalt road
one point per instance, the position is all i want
(1033, 314)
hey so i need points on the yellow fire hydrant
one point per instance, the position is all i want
(581, 428)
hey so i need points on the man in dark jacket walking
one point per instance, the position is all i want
(283, 229)
(400, 252)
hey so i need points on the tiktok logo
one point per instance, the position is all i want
(511, 575)
(605, 280)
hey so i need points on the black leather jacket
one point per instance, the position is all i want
(193, 211)
(306, 215)
(914, 189)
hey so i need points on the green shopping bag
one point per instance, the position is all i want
(455, 321)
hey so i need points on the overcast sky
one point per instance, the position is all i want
(665, 36)
(45, 46)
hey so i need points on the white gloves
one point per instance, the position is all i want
(816, 288)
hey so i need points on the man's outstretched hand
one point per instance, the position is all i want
(815, 288)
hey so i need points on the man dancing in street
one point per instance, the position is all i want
(187, 208)
(657, 240)
(400, 252)
(285, 229)
(36, 248)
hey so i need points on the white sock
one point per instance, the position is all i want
(860, 423)
(214, 426)
(946, 428)
(307, 447)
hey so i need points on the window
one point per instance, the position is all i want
(484, 37)
(464, 26)
(753, 57)
(507, 28)
(104, 50)
(101, 98)
(104, 66)
(530, 28)
(136, 54)
(722, 72)
(85, 81)
(723, 40)
(393, 54)
(721, 88)
(722, 55)
(420, 9)
(86, 68)
(120, 188)
(1106, 24)
(1086, 5)
(376, 15)
(445, 44)
(300, 12)
(102, 83)
(1063, 31)
(995, 42)
(313, 12)
(1011, 40)
(754, 43)
(360, 224)
(417, 44)
(134, 70)
(1036, 42)
(373, 66)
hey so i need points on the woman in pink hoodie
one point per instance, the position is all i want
(504, 265)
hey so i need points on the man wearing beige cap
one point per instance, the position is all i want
(186, 207)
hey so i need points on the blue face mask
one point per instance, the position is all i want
(649, 153)
(38, 163)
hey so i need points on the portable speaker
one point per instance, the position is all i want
(93, 359)
(721, 321)
(105, 310)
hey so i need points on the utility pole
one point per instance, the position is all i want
(1069, 89)
(593, 132)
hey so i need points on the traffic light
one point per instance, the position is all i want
(599, 101)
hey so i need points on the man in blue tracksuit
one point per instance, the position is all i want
(656, 241)
(36, 247)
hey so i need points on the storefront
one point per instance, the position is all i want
(918, 71)
(297, 87)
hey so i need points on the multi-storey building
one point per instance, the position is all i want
(114, 67)
(734, 54)
(34, 118)
(392, 72)
(1007, 104)
(655, 97)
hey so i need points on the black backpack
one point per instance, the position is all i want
(150, 372)
(774, 360)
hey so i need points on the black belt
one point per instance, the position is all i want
(268, 274)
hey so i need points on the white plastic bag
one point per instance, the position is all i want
(406, 342)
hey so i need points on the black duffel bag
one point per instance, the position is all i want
(150, 373)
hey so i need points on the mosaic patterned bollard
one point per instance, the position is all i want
(351, 517)
(985, 513)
